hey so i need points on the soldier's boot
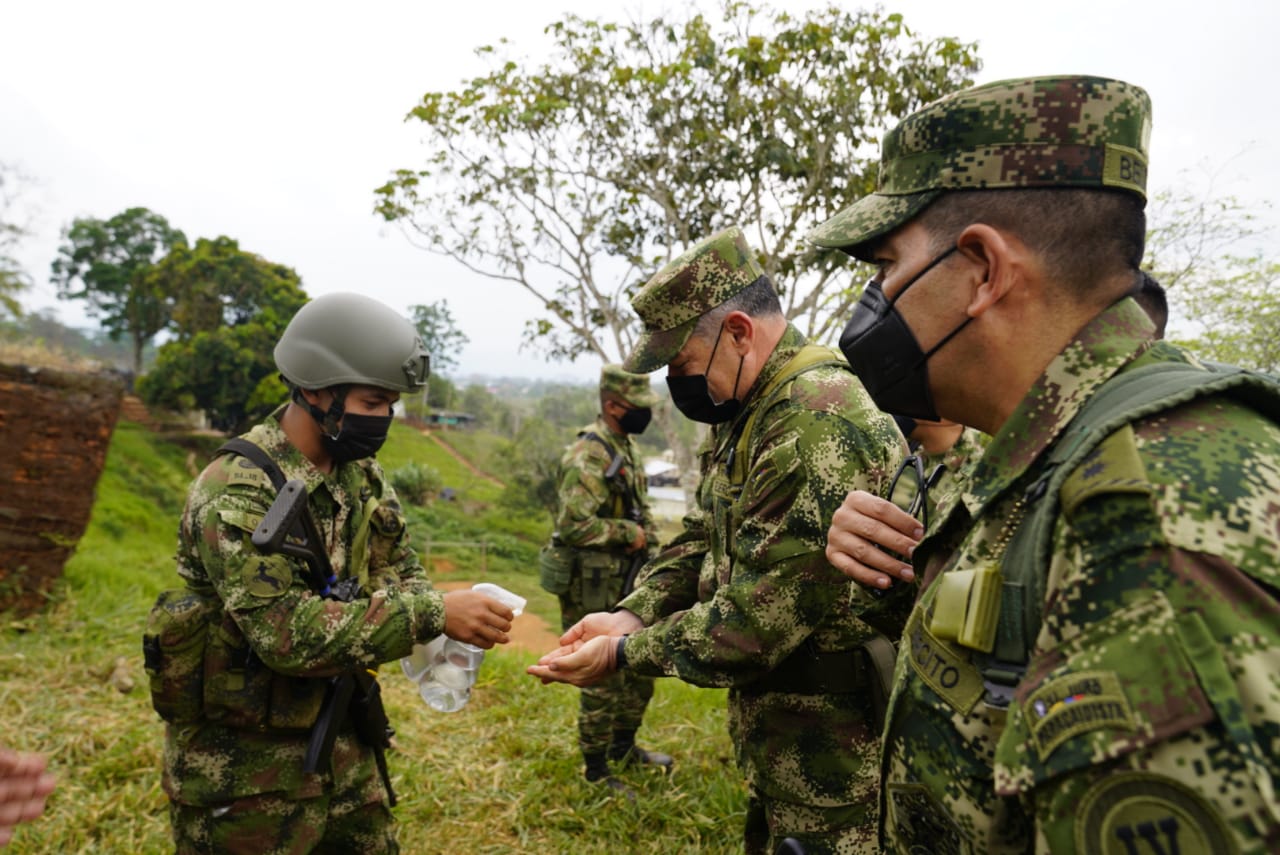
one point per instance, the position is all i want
(624, 751)
(597, 772)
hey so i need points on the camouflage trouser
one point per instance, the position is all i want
(615, 705)
(842, 830)
(271, 825)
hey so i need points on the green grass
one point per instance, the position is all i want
(501, 776)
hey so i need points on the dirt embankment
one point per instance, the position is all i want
(55, 427)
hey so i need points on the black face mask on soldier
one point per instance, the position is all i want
(635, 420)
(692, 396)
(885, 354)
(358, 437)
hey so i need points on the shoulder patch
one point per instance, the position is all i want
(1131, 812)
(1113, 467)
(267, 576)
(1076, 703)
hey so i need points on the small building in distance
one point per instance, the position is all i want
(666, 496)
(448, 419)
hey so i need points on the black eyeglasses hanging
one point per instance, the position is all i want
(919, 504)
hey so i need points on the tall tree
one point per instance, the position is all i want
(104, 263)
(577, 178)
(14, 228)
(230, 308)
(1223, 289)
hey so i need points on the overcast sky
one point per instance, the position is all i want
(272, 122)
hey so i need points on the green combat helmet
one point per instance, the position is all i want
(632, 389)
(342, 339)
(700, 279)
(1064, 131)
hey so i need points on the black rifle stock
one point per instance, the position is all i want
(290, 529)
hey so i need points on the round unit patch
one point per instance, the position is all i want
(1137, 813)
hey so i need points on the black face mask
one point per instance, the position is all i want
(359, 437)
(636, 420)
(356, 438)
(885, 354)
(692, 396)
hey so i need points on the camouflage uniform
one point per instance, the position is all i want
(744, 597)
(1148, 716)
(600, 517)
(234, 773)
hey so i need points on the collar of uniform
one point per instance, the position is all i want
(270, 437)
(617, 443)
(1100, 350)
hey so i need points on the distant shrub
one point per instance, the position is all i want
(416, 483)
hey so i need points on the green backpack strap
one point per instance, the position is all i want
(806, 358)
(1125, 398)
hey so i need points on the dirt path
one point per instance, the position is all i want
(471, 467)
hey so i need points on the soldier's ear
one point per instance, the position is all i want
(740, 329)
(995, 260)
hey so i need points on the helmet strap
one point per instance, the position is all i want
(327, 419)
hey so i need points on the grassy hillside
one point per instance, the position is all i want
(501, 776)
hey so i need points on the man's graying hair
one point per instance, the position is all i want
(757, 300)
(1084, 236)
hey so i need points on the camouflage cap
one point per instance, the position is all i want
(631, 388)
(669, 305)
(1065, 131)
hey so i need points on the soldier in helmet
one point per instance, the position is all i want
(240, 716)
(1091, 665)
(743, 597)
(605, 523)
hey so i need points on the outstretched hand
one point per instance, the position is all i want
(476, 618)
(582, 663)
(863, 527)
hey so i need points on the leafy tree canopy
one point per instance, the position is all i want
(230, 308)
(1224, 291)
(13, 230)
(104, 263)
(576, 179)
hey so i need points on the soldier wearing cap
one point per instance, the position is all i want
(743, 597)
(241, 659)
(1091, 665)
(605, 522)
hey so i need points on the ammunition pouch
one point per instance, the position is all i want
(813, 672)
(241, 691)
(601, 577)
(173, 648)
(555, 568)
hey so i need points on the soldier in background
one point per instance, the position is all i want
(605, 522)
(242, 683)
(1092, 663)
(743, 597)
